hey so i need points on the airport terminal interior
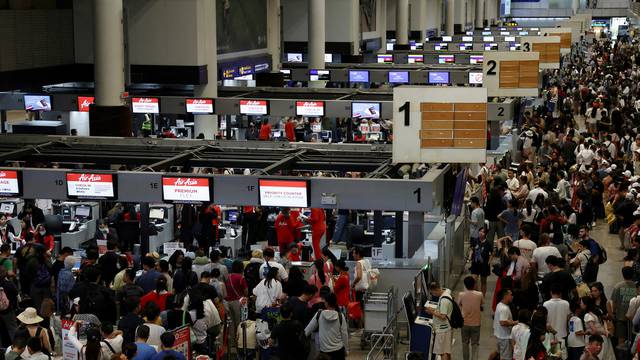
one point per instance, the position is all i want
(319, 179)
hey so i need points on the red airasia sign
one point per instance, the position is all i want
(84, 102)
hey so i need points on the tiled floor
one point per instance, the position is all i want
(609, 275)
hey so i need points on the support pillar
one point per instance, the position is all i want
(575, 5)
(402, 22)
(274, 32)
(381, 14)
(460, 16)
(399, 234)
(144, 228)
(415, 233)
(3, 121)
(451, 16)
(377, 227)
(316, 43)
(434, 15)
(208, 55)
(108, 115)
(479, 14)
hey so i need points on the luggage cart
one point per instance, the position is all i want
(378, 311)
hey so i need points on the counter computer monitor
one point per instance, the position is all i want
(389, 46)
(398, 77)
(446, 59)
(417, 46)
(286, 74)
(156, 213)
(326, 134)
(37, 102)
(316, 128)
(328, 58)
(358, 76)
(315, 75)
(505, 33)
(277, 134)
(466, 47)
(523, 33)
(467, 38)
(470, 33)
(365, 110)
(510, 38)
(294, 57)
(476, 59)
(447, 38)
(438, 77)
(488, 38)
(441, 47)
(232, 216)
(385, 58)
(83, 212)
(7, 208)
(475, 78)
(514, 47)
(486, 32)
(493, 46)
(415, 59)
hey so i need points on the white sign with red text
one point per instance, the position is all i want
(90, 185)
(254, 107)
(145, 105)
(69, 351)
(309, 108)
(288, 193)
(185, 189)
(84, 102)
(9, 182)
(200, 106)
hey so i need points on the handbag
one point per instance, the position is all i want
(354, 309)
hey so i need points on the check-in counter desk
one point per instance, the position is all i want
(73, 239)
(164, 223)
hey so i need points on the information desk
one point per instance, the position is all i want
(40, 127)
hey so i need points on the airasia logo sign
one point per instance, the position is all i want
(84, 102)
(146, 100)
(89, 178)
(253, 103)
(196, 102)
(201, 106)
(254, 107)
(145, 105)
(310, 108)
(185, 182)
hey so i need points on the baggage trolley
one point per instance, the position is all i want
(377, 312)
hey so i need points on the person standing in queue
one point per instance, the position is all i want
(265, 130)
(318, 231)
(290, 130)
(285, 229)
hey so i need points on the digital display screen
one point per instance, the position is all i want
(438, 77)
(399, 77)
(493, 46)
(294, 57)
(356, 76)
(389, 46)
(466, 46)
(84, 102)
(467, 38)
(510, 38)
(475, 78)
(91, 186)
(447, 38)
(486, 32)
(504, 33)
(286, 74)
(315, 75)
(83, 211)
(310, 108)
(385, 58)
(476, 59)
(415, 59)
(362, 110)
(186, 189)
(328, 58)
(446, 59)
(254, 107)
(156, 213)
(37, 102)
(417, 46)
(523, 33)
(441, 46)
(10, 183)
(7, 208)
(145, 105)
(284, 193)
(199, 106)
(487, 38)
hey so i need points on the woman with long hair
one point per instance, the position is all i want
(269, 291)
(185, 277)
(599, 298)
(295, 283)
(319, 279)
(175, 260)
(594, 325)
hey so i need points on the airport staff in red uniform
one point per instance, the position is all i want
(265, 131)
(285, 229)
(216, 222)
(318, 231)
(290, 130)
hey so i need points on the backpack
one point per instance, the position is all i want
(252, 275)
(43, 277)
(93, 302)
(590, 272)
(4, 300)
(456, 320)
(603, 253)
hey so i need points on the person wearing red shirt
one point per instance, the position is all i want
(341, 285)
(289, 129)
(158, 296)
(216, 221)
(44, 237)
(295, 215)
(236, 290)
(265, 131)
(294, 252)
(318, 231)
(285, 229)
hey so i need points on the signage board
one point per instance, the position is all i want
(37, 102)
(511, 73)
(199, 106)
(91, 185)
(310, 108)
(548, 47)
(186, 189)
(145, 105)
(10, 183)
(254, 107)
(84, 102)
(69, 350)
(284, 193)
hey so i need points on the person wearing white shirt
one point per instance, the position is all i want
(558, 311)
(576, 338)
(533, 194)
(512, 182)
(502, 324)
(585, 157)
(526, 245)
(541, 253)
(269, 291)
(268, 255)
(563, 187)
(441, 316)
(520, 335)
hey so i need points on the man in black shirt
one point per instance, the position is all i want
(128, 290)
(131, 320)
(289, 336)
(109, 263)
(299, 308)
(8, 323)
(557, 274)
(59, 263)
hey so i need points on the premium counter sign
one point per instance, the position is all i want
(199, 106)
(84, 102)
(145, 105)
(254, 107)
(310, 108)
(288, 193)
(186, 189)
(90, 186)
(9, 183)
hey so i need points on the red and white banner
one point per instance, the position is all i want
(182, 344)
(84, 102)
(145, 105)
(69, 351)
(184, 189)
(310, 108)
(90, 185)
(200, 106)
(288, 193)
(254, 107)
(9, 182)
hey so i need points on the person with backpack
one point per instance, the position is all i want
(443, 320)
(288, 337)
(30, 327)
(94, 298)
(41, 286)
(584, 271)
(598, 253)
(333, 337)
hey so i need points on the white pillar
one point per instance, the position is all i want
(381, 14)
(420, 17)
(108, 52)
(434, 15)
(575, 5)
(207, 54)
(451, 15)
(479, 13)
(356, 34)
(460, 13)
(402, 22)
(316, 42)
(492, 10)
(273, 33)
